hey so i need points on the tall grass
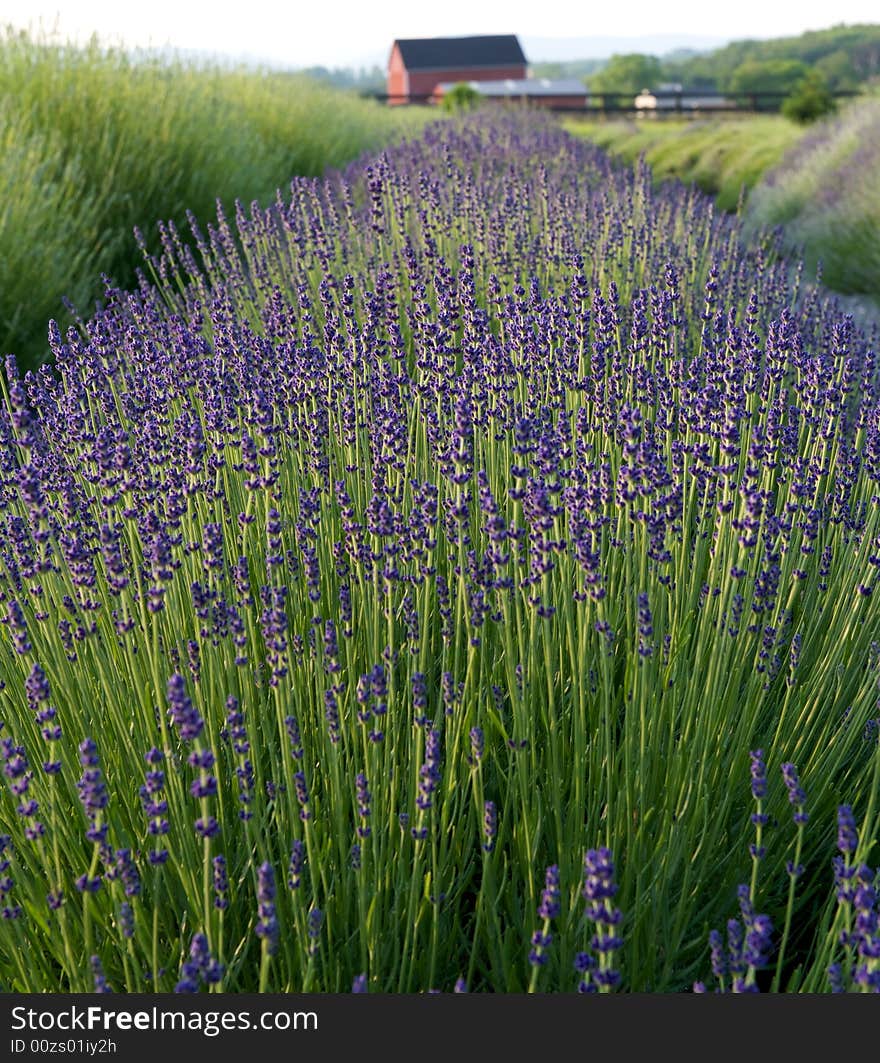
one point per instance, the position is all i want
(97, 141)
(47, 219)
(826, 195)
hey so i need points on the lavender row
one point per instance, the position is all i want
(462, 513)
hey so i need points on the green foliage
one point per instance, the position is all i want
(47, 222)
(723, 156)
(461, 97)
(627, 74)
(810, 100)
(839, 71)
(97, 141)
(822, 186)
(767, 75)
(826, 194)
(847, 55)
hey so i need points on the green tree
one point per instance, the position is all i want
(755, 77)
(627, 74)
(811, 99)
(848, 56)
(838, 70)
(767, 75)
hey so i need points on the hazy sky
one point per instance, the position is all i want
(344, 32)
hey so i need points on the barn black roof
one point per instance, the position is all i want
(450, 53)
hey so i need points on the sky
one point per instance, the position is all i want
(300, 33)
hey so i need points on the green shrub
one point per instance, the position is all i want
(461, 97)
(811, 99)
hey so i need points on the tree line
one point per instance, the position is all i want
(842, 59)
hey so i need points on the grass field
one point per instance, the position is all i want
(94, 142)
(722, 156)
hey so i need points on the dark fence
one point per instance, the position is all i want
(679, 104)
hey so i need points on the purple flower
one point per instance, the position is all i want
(18, 627)
(221, 883)
(183, 715)
(364, 798)
(717, 956)
(420, 694)
(297, 860)
(267, 921)
(477, 745)
(293, 735)
(539, 944)
(92, 791)
(206, 827)
(584, 965)
(549, 907)
(126, 920)
(124, 869)
(490, 826)
(646, 627)
(429, 773)
(154, 805)
(796, 794)
(302, 795)
(757, 941)
(36, 688)
(835, 978)
(598, 890)
(198, 967)
(331, 714)
(331, 649)
(759, 774)
(847, 835)
(100, 981)
(313, 927)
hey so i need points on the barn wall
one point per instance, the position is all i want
(398, 79)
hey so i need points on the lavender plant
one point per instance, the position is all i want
(825, 193)
(469, 510)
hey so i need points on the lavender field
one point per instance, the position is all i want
(458, 576)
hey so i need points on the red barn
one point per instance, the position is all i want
(417, 65)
